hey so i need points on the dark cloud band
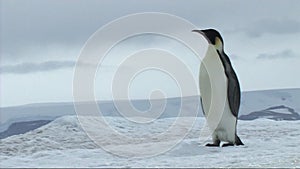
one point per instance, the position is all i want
(270, 26)
(24, 68)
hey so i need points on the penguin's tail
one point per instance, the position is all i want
(238, 141)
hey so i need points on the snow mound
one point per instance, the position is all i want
(62, 143)
(22, 127)
(66, 133)
(62, 133)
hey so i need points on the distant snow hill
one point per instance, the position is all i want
(275, 113)
(281, 104)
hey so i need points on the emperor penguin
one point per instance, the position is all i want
(218, 80)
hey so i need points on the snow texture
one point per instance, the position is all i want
(62, 143)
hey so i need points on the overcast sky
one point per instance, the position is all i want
(41, 40)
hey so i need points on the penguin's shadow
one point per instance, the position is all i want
(193, 148)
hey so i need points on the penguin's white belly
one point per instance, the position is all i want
(213, 89)
(225, 131)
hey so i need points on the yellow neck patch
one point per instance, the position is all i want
(218, 44)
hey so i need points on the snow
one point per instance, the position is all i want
(62, 143)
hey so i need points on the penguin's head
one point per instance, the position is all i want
(213, 37)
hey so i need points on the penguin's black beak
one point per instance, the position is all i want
(202, 32)
(199, 31)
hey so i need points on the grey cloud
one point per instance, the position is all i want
(269, 26)
(283, 54)
(38, 24)
(274, 27)
(24, 68)
(30, 67)
(37, 21)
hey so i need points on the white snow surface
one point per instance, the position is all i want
(62, 143)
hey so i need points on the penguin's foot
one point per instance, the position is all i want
(212, 145)
(227, 144)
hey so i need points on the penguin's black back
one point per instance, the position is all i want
(233, 86)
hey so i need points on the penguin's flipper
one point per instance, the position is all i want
(202, 106)
(233, 90)
(238, 141)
